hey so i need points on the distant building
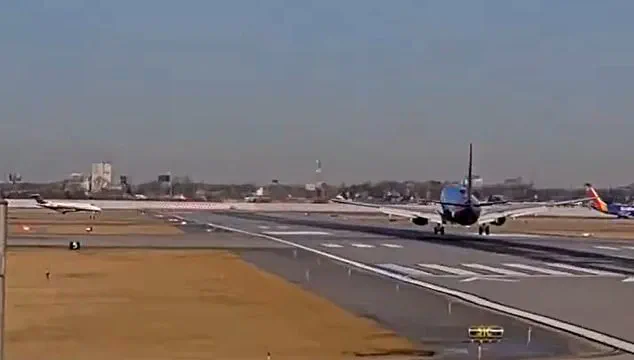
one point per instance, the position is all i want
(476, 181)
(517, 181)
(101, 176)
(78, 182)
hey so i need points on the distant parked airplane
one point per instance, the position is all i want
(64, 207)
(460, 207)
(621, 211)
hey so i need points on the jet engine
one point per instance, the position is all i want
(419, 221)
(499, 221)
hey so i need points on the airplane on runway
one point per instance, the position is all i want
(458, 206)
(64, 207)
(621, 211)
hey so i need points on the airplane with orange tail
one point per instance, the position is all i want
(621, 211)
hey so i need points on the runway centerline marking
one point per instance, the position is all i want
(363, 246)
(392, 246)
(603, 247)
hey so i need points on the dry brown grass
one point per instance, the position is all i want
(172, 305)
(42, 222)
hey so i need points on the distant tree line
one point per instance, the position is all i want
(392, 191)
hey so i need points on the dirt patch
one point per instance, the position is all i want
(43, 222)
(173, 305)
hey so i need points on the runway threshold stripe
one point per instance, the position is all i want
(405, 270)
(538, 269)
(495, 270)
(577, 268)
(449, 269)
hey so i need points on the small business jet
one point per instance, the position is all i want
(64, 207)
(459, 207)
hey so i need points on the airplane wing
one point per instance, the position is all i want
(480, 204)
(492, 216)
(429, 215)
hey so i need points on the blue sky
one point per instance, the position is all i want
(241, 91)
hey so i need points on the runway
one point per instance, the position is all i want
(559, 278)
(423, 316)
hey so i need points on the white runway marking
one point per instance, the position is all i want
(393, 246)
(491, 271)
(581, 269)
(282, 227)
(364, 246)
(296, 233)
(449, 269)
(495, 270)
(602, 247)
(330, 245)
(264, 227)
(538, 269)
(405, 270)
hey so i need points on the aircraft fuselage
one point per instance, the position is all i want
(621, 210)
(463, 215)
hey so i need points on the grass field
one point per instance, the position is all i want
(172, 305)
(42, 222)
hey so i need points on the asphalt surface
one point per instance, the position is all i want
(565, 279)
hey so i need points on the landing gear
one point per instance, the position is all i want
(439, 229)
(484, 229)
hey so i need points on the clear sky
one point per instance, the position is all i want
(241, 91)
